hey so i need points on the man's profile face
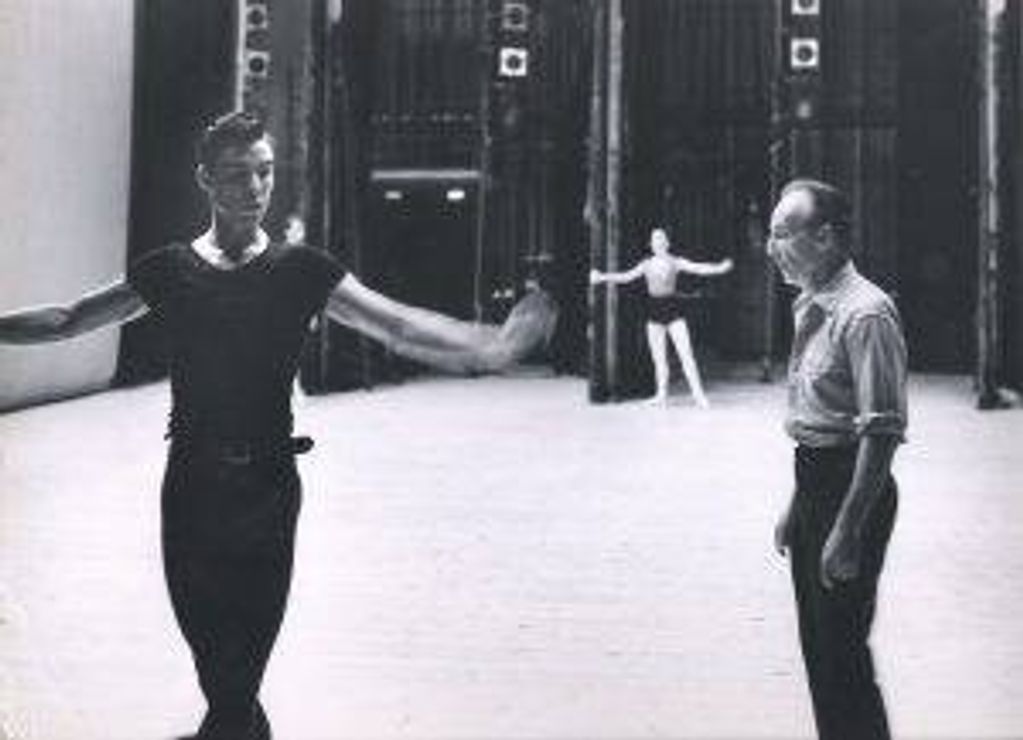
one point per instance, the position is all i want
(794, 243)
(240, 182)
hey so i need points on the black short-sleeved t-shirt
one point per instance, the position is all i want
(235, 335)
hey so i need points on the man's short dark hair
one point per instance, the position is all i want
(238, 128)
(830, 205)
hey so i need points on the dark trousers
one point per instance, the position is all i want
(834, 625)
(228, 544)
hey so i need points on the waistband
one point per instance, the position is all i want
(242, 452)
(835, 454)
(824, 472)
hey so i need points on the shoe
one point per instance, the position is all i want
(258, 728)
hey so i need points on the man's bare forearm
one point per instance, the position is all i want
(35, 326)
(459, 347)
(392, 323)
(111, 305)
(476, 361)
(444, 342)
(430, 329)
(873, 464)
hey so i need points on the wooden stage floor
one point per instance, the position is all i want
(497, 559)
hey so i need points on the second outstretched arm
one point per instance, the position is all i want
(704, 268)
(441, 341)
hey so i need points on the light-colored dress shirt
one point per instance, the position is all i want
(847, 371)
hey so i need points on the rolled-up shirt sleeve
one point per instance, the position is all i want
(877, 355)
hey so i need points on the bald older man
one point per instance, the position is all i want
(847, 416)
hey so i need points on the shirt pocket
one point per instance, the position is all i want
(818, 357)
(825, 364)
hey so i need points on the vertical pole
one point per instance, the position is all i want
(239, 55)
(988, 328)
(322, 54)
(596, 202)
(1016, 142)
(778, 173)
(339, 93)
(613, 180)
(602, 205)
(485, 160)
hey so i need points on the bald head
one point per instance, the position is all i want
(809, 237)
(823, 205)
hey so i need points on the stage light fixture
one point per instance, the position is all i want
(806, 7)
(513, 61)
(515, 17)
(455, 195)
(257, 63)
(257, 18)
(804, 54)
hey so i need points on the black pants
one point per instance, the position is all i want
(834, 625)
(228, 545)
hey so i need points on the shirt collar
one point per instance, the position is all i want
(828, 295)
(206, 245)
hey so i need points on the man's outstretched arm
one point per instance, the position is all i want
(617, 278)
(704, 268)
(441, 341)
(114, 304)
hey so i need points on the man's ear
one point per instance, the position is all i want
(832, 248)
(828, 238)
(202, 176)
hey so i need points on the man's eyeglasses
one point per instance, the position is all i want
(783, 234)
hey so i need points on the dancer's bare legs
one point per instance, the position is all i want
(656, 337)
(679, 332)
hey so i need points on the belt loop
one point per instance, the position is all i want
(301, 445)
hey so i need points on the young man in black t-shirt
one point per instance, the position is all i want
(237, 307)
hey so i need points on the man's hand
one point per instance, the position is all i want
(596, 277)
(533, 318)
(530, 324)
(783, 531)
(840, 559)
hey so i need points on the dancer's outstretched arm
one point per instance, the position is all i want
(618, 278)
(441, 341)
(115, 304)
(704, 268)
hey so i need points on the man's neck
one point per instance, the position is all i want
(233, 242)
(237, 250)
(825, 275)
